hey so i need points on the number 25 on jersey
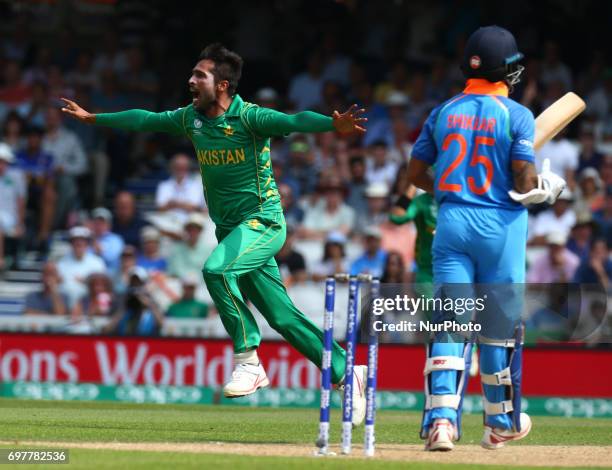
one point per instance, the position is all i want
(476, 187)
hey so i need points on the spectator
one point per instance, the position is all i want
(182, 193)
(108, 97)
(69, 162)
(189, 254)
(337, 65)
(138, 83)
(380, 132)
(100, 300)
(560, 218)
(589, 156)
(379, 168)
(36, 164)
(13, 132)
(48, 300)
(19, 46)
(582, 235)
(357, 184)
(75, 267)
(334, 257)
(394, 271)
(301, 166)
(589, 194)
(38, 70)
(15, 91)
(403, 137)
(377, 210)
(12, 205)
(553, 69)
(373, 259)
(293, 213)
(599, 98)
(558, 265)
(291, 263)
(597, 268)
(121, 277)
(33, 111)
(328, 214)
(332, 98)
(139, 315)
(396, 82)
(306, 87)
(563, 157)
(363, 95)
(65, 48)
(420, 104)
(188, 306)
(111, 57)
(127, 222)
(150, 258)
(93, 186)
(281, 177)
(56, 84)
(267, 97)
(149, 162)
(83, 74)
(106, 244)
(603, 217)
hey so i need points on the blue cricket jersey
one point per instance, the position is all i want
(471, 140)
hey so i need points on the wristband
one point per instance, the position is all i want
(403, 201)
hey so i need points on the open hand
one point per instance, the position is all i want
(74, 110)
(349, 121)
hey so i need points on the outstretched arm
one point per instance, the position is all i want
(268, 122)
(402, 209)
(130, 120)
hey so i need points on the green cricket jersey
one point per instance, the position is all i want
(424, 211)
(233, 151)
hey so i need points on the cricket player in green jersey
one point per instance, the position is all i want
(423, 210)
(232, 144)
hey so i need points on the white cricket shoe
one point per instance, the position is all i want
(496, 438)
(441, 436)
(246, 379)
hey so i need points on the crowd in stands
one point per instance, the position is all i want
(63, 181)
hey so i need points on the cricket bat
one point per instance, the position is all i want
(556, 117)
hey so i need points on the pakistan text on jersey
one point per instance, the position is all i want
(473, 123)
(221, 156)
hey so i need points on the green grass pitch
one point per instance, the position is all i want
(116, 422)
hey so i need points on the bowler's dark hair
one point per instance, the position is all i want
(228, 64)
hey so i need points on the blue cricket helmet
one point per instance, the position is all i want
(491, 53)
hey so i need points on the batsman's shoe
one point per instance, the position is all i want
(246, 379)
(495, 438)
(441, 436)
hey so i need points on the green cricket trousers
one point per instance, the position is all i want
(244, 261)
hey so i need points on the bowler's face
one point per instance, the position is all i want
(202, 84)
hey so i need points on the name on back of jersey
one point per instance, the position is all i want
(472, 123)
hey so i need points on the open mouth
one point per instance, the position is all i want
(195, 96)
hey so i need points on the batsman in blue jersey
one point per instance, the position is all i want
(480, 146)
